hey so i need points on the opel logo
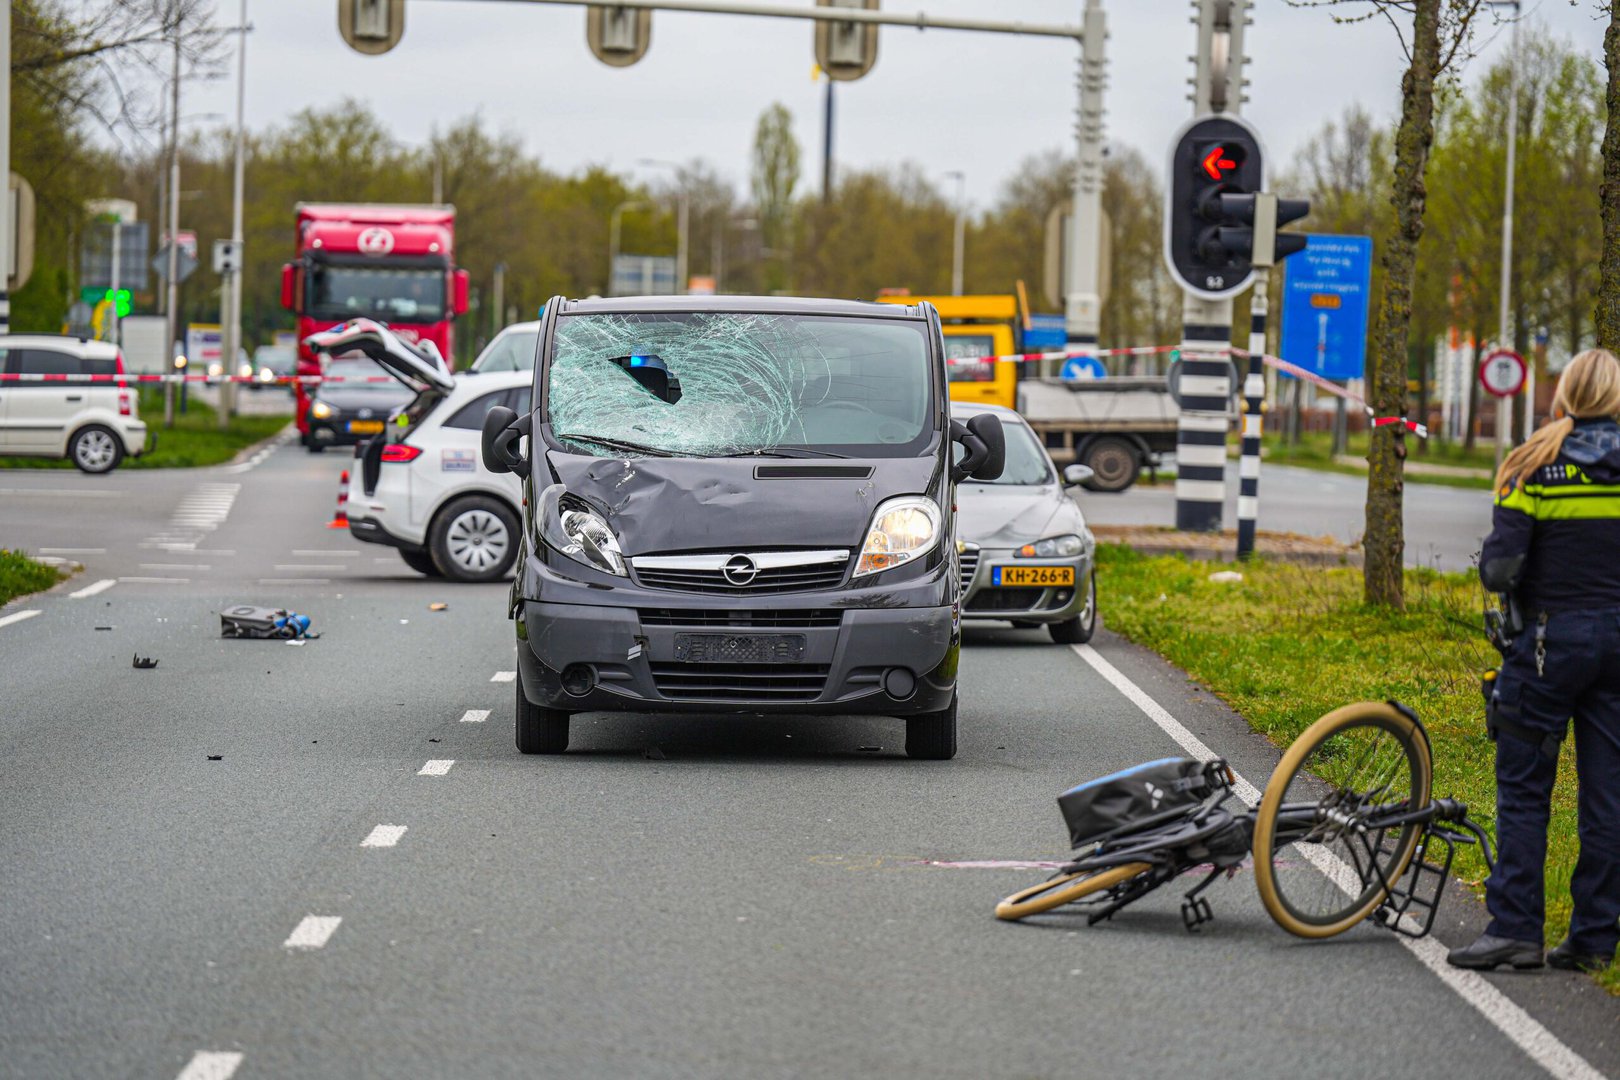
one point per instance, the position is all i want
(739, 570)
(375, 241)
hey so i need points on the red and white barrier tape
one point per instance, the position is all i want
(280, 380)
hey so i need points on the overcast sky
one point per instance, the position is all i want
(946, 100)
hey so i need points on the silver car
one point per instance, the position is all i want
(1025, 552)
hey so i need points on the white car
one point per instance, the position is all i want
(512, 349)
(93, 424)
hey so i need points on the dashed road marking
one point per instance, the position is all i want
(17, 617)
(312, 932)
(475, 716)
(311, 566)
(211, 1065)
(155, 580)
(67, 493)
(202, 511)
(436, 767)
(1525, 1031)
(92, 589)
(174, 566)
(503, 676)
(295, 581)
(312, 553)
(72, 551)
(259, 456)
(383, 836)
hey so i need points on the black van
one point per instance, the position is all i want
(739, 504)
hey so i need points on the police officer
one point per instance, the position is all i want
(1555, 546)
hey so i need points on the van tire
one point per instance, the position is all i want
(932, 736)
(420, 561)
(95, 449)
(1114, 462)
(539, 730)
(477, 515)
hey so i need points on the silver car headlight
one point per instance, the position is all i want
(903, 530)
(1053, 547)
(573, 529)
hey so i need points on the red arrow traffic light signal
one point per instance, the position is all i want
(1217, 162)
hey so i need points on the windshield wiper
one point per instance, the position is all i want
(617, 444)
(787, 452)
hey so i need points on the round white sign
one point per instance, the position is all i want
(1502, 372)
(375, 241)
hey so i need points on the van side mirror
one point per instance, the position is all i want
(984, 448)
(1077, 474)
(499, 444)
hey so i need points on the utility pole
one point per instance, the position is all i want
(1206, 335)
(499, 289)
(1082, 306)
(1504, 321)
(959, 238)
(827, 143)
(233, 280)
(173, 308)
(683, 220)
(7, 241)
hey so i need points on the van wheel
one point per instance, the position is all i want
(932, 736)
(474, 539)
(1078, 630)
(420, 561)
(96, 449)
(539, 730)
(1114, 462)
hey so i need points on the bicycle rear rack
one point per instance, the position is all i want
(1419, 890)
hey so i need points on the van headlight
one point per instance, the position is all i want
(903, 530)
(573, 529)
(1053, 547)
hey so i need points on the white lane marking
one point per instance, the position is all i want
(62, 494)
(503, 676)
(73, 551)
(312, 932)
(475, 716)
(295, 581)
(312, 566)
(1524, 1030)
(173, 566)
(90, 590)
(203, 510)
(436, 767)
(211, 1065)
(259, 458)
(383, 836)
(312, 553)
(155, 580)
(17, 617)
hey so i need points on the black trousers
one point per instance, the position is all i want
(1580, 680)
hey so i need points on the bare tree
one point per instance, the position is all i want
(1608, 302)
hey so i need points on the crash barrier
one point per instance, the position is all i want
(1378, 835)
(340, 520)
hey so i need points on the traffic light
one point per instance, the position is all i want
(617, 35)
(372, 27)
(846, 50)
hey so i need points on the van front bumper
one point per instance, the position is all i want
(888, 661)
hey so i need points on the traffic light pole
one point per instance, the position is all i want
(1254, 394)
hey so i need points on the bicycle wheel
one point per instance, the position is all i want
(1065, 890)
(1320, 862)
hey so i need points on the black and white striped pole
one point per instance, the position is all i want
(1203, 389)
(1254, 394)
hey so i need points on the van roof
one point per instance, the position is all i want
(760, 305)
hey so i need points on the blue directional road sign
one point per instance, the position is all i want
(1324, 306)
(1083, 367)
(1045, 332)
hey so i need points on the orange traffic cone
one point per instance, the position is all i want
(341, 519)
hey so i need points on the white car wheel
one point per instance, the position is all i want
(96, 450)
(475, 540)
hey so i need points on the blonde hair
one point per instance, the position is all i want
(1588, 389)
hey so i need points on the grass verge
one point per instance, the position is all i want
(1315, 451)
(20, 575)
(194, 441)
(1290, 643)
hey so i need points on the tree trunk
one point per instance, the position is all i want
(1608, 302)
(1384, 543)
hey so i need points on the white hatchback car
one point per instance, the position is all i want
(423, 489)
(93, 424)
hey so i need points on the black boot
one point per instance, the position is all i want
(1569, 960)
(1487, 952)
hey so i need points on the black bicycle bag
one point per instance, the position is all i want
(1134, 798)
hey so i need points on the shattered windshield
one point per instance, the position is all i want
(720, 383)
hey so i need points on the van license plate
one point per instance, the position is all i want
(739, 648)
(1026, 576)
(365, 427)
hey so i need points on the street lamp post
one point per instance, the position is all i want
(1504, 406)
(683, 220)
(958, 242)
(615, 220)
(233, 322)
(172, 307)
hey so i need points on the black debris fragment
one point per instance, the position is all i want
(103, 628)
(869, 749)
(433, 740)
(145, 661)
(653, 753)
(216, 757)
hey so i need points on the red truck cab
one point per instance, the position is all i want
(391, 263)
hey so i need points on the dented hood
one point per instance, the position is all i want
(659, 505)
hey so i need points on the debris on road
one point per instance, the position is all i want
(439, 606)
(216, 757)
(246, 621)
(144, 662)
(103, 628)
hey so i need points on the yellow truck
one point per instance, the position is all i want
(976, 327)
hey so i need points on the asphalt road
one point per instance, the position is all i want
(674, 897)
(1444, 525)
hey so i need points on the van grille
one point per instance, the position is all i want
(740, 682)
(750, 620)
(776, 580)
